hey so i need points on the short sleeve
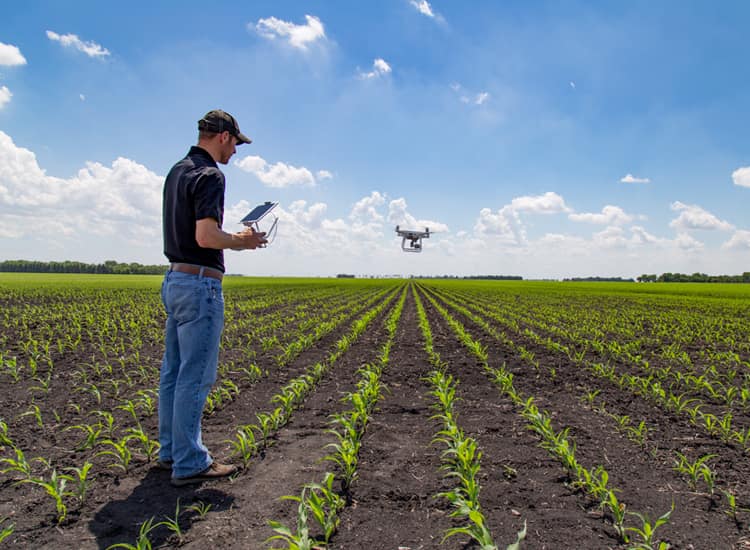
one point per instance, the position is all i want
(209, 195)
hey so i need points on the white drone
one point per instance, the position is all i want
(415, 238)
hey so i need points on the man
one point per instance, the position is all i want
(194, 243)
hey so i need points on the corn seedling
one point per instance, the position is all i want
(55, 488)
(142, 542)
(696, 470)
(617, 509)
(325, 504)
(637, 434)
(120, 451)
(7, 530)
(345, 455)
(92, 433)
(150, 447)
(200, 508)
(173, 524)
(300, 539)
(244, 444)
(590, 396)
(36, 412)
(5, 439)
(18, 464)
(647, 530)
(81, 480)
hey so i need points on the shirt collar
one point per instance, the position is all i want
(200, 151)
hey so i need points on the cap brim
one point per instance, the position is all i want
(242, 138)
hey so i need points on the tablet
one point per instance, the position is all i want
(258, 212)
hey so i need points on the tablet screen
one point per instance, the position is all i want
(258, 212)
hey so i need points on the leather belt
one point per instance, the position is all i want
(196, 270)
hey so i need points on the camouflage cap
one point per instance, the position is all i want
(220, 121)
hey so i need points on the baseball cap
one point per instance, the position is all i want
(220, 121)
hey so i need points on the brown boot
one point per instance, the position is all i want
(214, 471)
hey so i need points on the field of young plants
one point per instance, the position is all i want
(384, 414)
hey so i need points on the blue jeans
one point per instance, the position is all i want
(195, 319)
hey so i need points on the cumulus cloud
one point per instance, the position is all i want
(399, 215)
(741, 176)
(506, 225)
(548, 203)
(739, 241)
(306, 230)
(123, 199)
(92, 49)
(641, 236)
(695, 217)
(279, 175)
(11, 56)
(5, 96)
(367, 207)
(630, 178)
(687, 242)
(298, 36)
(610, 215)
(324, 175)
(379, 68)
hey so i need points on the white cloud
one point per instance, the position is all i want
(324, 175)
(92, 49)
(5, 96)
(611, 237)
(695, 217)
(505, 225)
(423, 7)
(630, 178)
(548, 203)
(740, 240)
(687, 242)
(10, 55)
(298, 36)
(610, 215)
(277, 175)
(366, 208)
(398, 215)
(123, 200)
(464, 96)
(741, 176)
(379, 68)
(641, 236)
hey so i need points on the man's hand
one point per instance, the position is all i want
(249, 239)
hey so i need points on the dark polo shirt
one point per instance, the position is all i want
(193, 190)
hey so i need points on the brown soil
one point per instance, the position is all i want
(393, 501)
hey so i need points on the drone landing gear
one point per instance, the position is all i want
(414, 238)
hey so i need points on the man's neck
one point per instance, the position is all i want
(210, 149)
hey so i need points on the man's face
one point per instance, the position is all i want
(228, 147)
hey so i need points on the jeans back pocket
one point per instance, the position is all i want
(183, 302)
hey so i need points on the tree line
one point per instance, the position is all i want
(694, 278)
(108, 267)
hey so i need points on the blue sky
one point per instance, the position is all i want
(542, 139)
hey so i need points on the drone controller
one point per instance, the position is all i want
(253, 220)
